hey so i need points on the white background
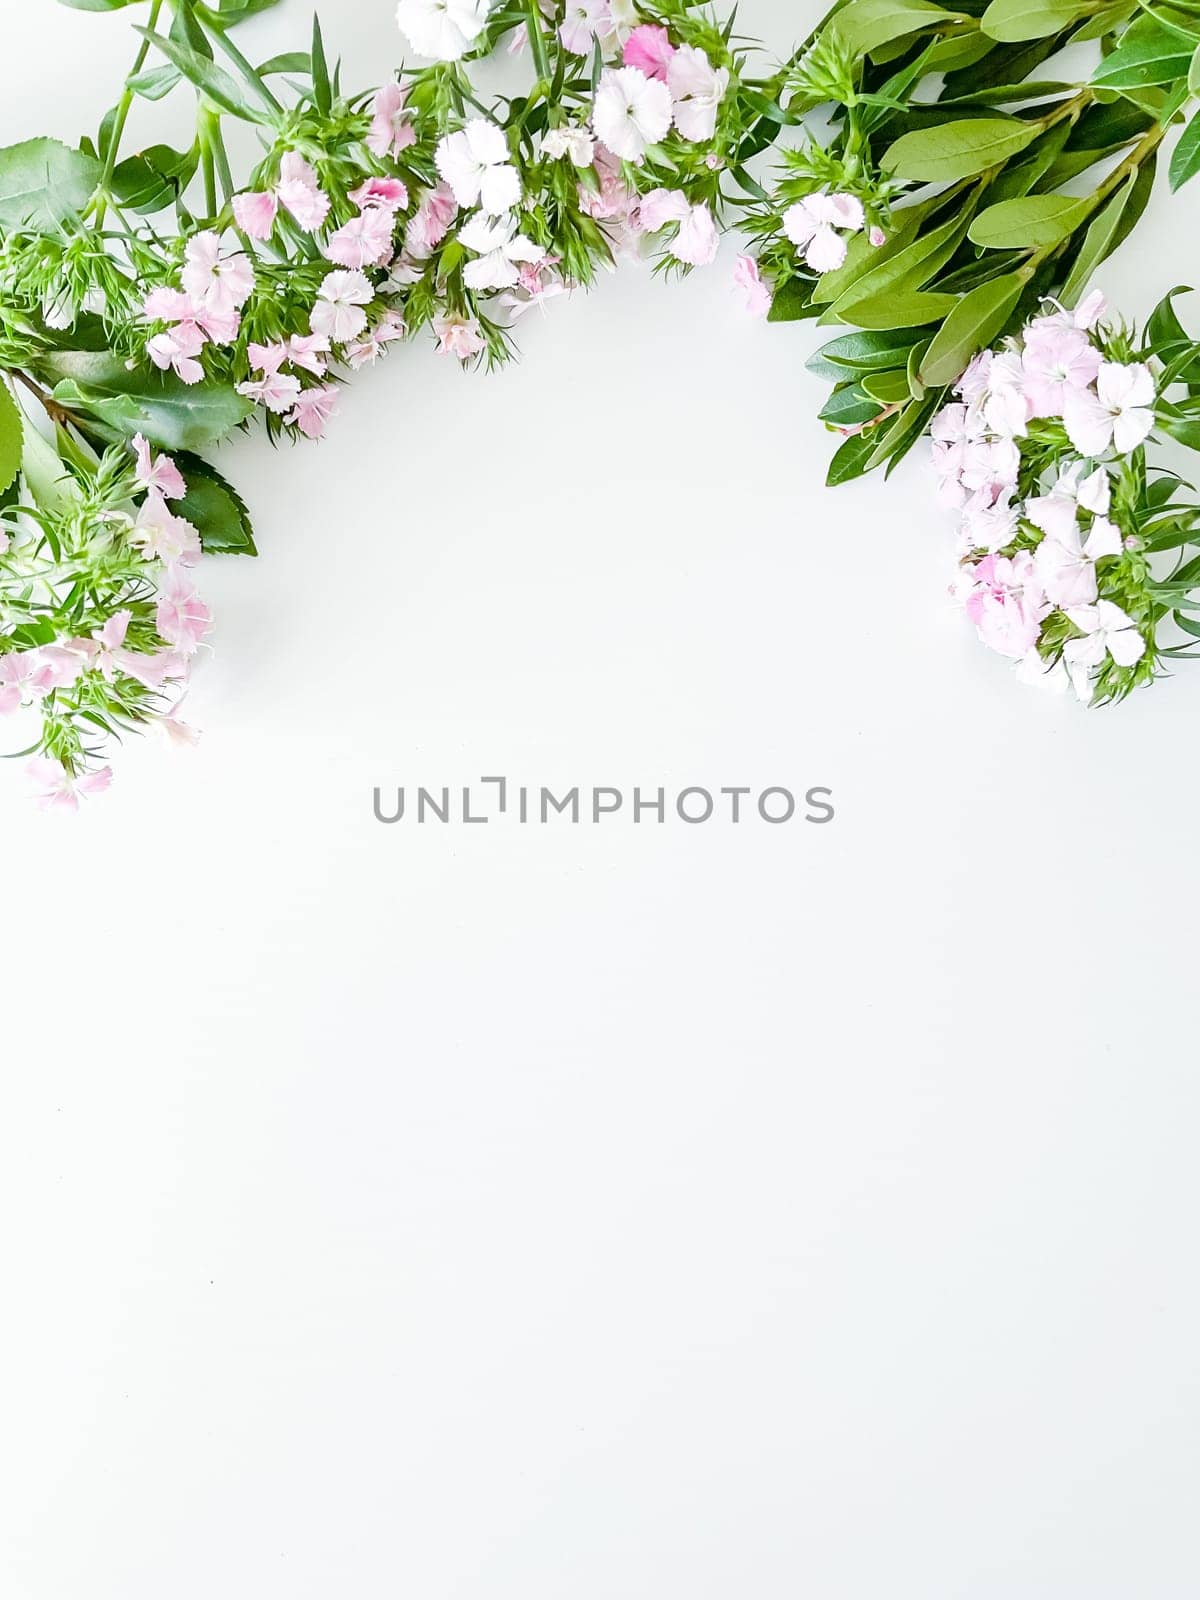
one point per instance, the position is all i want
(582, 1213)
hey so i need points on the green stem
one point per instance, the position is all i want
(223, 42)
(124, 106)
(537, 40)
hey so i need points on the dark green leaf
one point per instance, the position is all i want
(977, 319)
(862, 352)
(790, 302)
(12, 432)
(173, 415)
(214, 508)
(849, 406)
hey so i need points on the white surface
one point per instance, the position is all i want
(488, 1214)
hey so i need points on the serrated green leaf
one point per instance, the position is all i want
(977, 319)
(961, 149)
(43, 183)
(1033, 222)
(214, 508)
(173, 415)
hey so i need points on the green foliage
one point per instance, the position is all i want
(44, 184)
(172, 415)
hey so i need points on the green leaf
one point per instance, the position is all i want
(905, 310)
(850, 459)
(97, 5)
(1185, 159)
(214, 508)
(43, 183)
(860, 253)
(291, 61)
(1148, 53)
(849, 406)
(1193, 79)
(977, 319)
(322, 93)
(1098, 244)
(153, 180)
(855, 353)
(207, 76)
(1013, 21)
(864, 25)
(907, 269)
(791, 301)
(956, 150)
(889, 388)
(154, 82)
(1034, 222)
(12, 431)
(173, 415)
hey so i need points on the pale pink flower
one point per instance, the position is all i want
(695, 242)
(499, 246)
(989, 519)
(182, 618)
(255, 213)
(368, 349)
(364, 241)
(162, 536)
(630, 112)
(391, 127)
(55, 789)
(876, 237)
(457, 335)
(749, 280)
(26, 677)
(338, 313)
(1108, 631)
(178, 348)
(219, 284)
(614, 198)
(431, 222)
(1119, 413)
(475, 163)
(580, 25)
(649, 49)
(168, 305)
(313, 409)
(1054, 360)
(178, 733)
(274, 389)
(307, 350)
(1065, 561)
(1002, 597)
(812, 223)
(105, 653)
(157, 472)
(388, 193)
(697, 88)
(300, 192)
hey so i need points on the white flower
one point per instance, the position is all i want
(696, 241)
(811, 225)
(580, 25)
(499, 247)
(474, 162)
(620, 19)
(443, 30)
(631, 111)
(338, 313)
(1118, 413)
(1040, 674)
(697, 89)
(574, 142)
(1065, 561)
(1107, 631)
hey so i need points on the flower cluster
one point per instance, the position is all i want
(1042, 455)
(100, 618)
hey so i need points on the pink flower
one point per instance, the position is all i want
(1054, 360)
(314, 407)
(989, 518)
(1119, 413)
(1065, 562)
(255, 213)
(811, 225)
(55, 789)
(299, 190)
(162, 536)
(614, 199)
(168, 305)
(649, 48)
(25, 678)
(581, 23)
(105, 653)
(374, 342)
(436, 211)
(218, 284)
(876, 237)
(364, 241)
(338, 313)
(696, 239)
(157, 472)
(182, 618)
(177, 348)
(391, 127)
(457, 335)
(274, 389)
(307, 350)
(1002, 597)
(748, 279)
(697, 88)
(389, 193)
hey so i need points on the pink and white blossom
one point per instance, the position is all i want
(255, 213)
(475, 163)
(391, 129)
(582, 21)
(364, 241)
(749, 280)
(695, 242)
(313, 409)
(500, 248)
(299, 192)
(813, 225)
(216, 283)
(162, 536)
(1119, 413)
(181, 617)
(457, 335)
(55, 789)
(156, 472)
(338, 314)
(1107, 631)
(631, 112)
(697, 89)
(649, 49)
